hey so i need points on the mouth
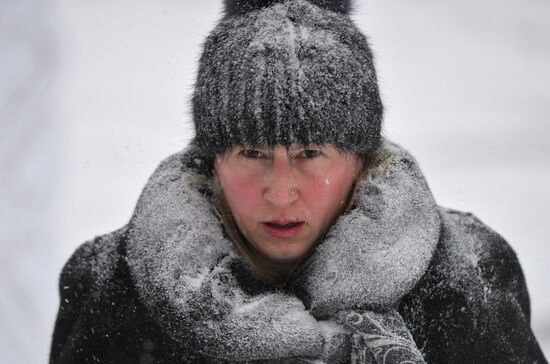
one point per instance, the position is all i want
(283, 229)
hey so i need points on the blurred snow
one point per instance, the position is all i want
(466, 85)
(30, 171)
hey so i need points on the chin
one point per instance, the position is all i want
(286, 257)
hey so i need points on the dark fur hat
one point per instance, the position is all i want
(283, 72)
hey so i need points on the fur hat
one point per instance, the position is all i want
(283, 72)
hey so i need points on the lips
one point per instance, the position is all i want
(283, 229)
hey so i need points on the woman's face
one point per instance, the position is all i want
(283, 199)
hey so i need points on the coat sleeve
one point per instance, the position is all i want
(74, 288)
(473, 305)
(507, 316)
(78, 285)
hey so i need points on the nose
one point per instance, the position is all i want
(281, 183)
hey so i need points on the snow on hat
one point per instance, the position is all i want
(283, 72)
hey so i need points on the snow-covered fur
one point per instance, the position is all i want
(170, 286)
(182, 262)
(182, 266)
(390, 235)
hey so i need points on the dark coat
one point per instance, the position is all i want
(148, 293)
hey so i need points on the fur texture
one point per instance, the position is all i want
(236, 7)
(183, 267)
(391, 234)
(183, 263)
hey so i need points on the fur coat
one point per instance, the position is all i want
(397, 275)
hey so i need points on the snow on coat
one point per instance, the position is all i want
(171, 287)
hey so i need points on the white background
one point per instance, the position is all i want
(93, 94)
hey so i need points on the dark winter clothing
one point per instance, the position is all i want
(287, 73)
(170, 286)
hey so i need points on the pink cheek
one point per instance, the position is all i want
(243, 195)
(336, 183)
(326, 192)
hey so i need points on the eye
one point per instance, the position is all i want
(309, 153)
(251, 153)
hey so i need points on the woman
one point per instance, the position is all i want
(289, 230)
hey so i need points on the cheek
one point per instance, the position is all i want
(243, 196)
(327, 191)
(327, 194)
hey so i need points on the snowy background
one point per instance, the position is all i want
(93, 94)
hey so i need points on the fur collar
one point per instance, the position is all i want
(194, 283)
(376, 253)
